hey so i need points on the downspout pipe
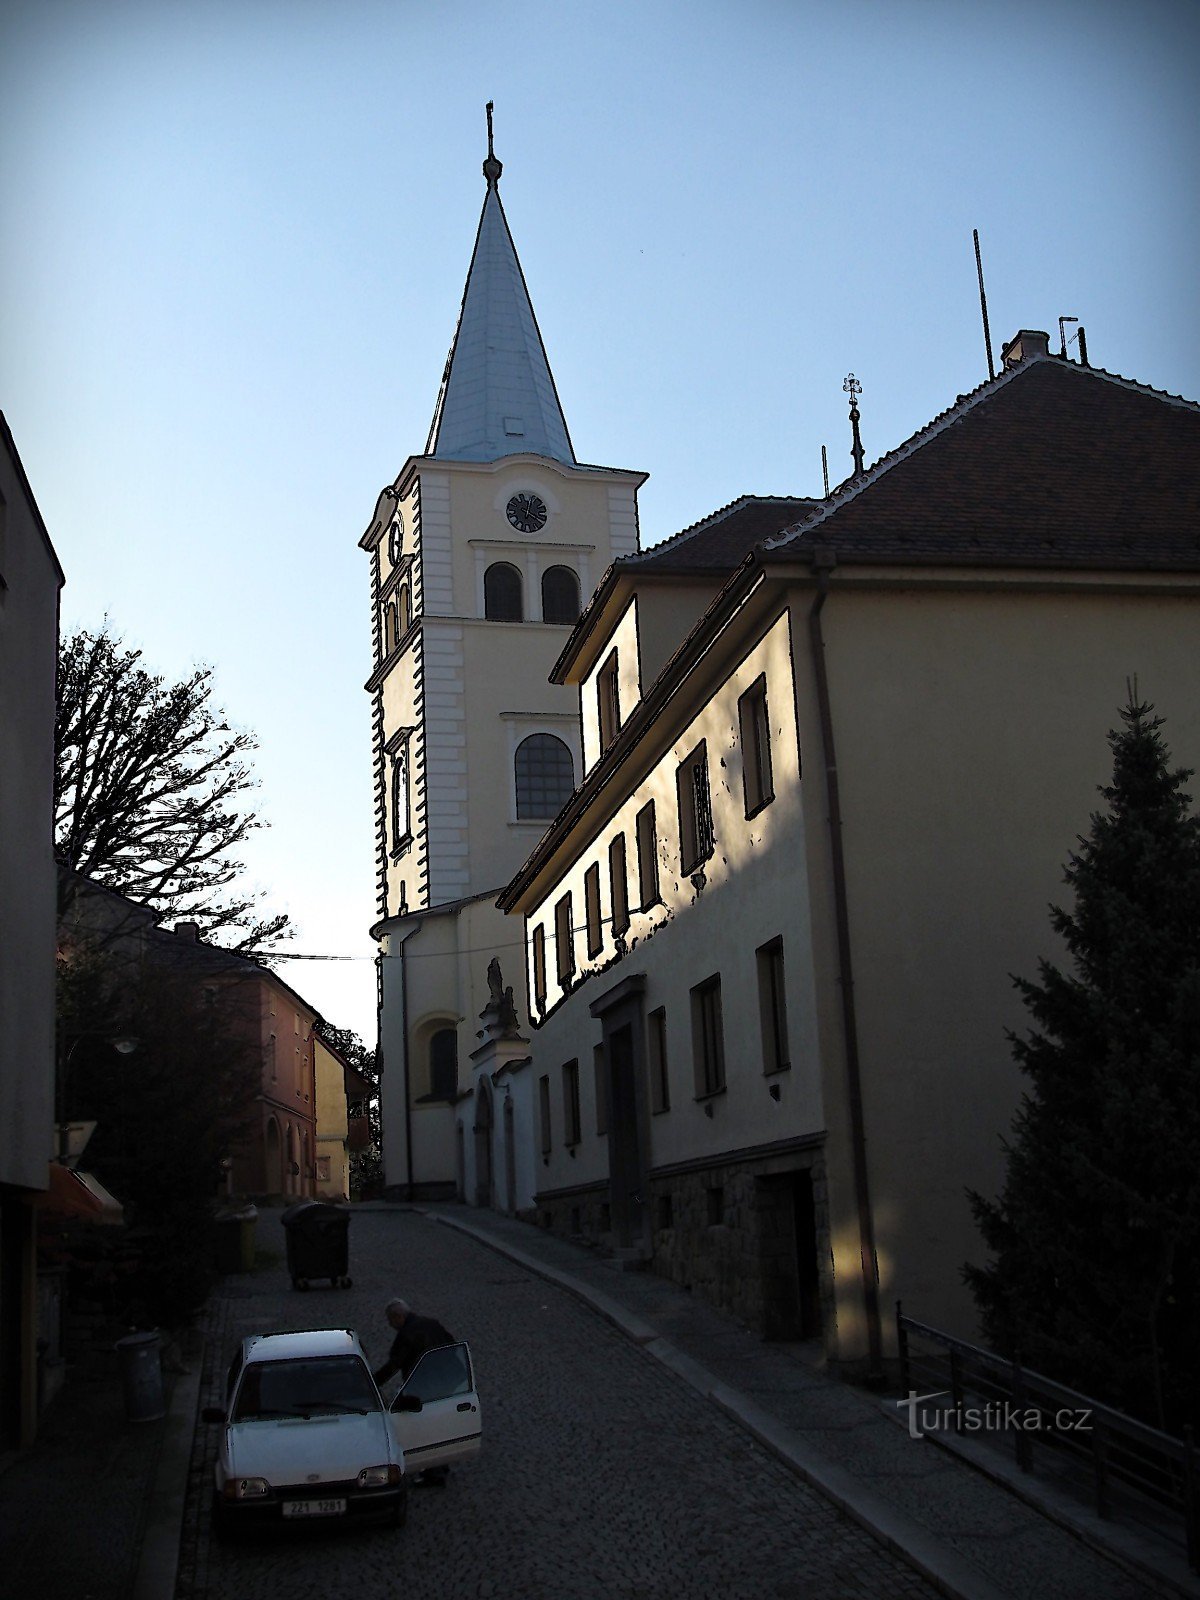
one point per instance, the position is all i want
(824, 561)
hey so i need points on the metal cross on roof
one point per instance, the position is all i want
(491, 167)
(853, 388)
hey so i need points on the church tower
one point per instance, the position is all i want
(482, 551)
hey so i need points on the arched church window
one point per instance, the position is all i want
(390, 634)
(443, 1064)
(545, 777)
(560, 595)
(502, 593)
(403, 610)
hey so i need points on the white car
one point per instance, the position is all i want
(307, 1434)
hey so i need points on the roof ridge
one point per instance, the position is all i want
(694, 528)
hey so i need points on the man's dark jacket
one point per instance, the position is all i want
(416, 1336)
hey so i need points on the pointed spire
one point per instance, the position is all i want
(497, 396)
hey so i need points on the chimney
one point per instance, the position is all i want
(1024, 346)
(190, 931)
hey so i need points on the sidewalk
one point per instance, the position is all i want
(957, 1520)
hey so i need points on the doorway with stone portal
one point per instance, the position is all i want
(789, 1255)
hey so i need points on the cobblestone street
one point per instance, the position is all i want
(601, 1473)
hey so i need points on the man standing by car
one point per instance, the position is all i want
(414, 1335)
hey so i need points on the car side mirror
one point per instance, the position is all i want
(212, 1414)
(407, 1402)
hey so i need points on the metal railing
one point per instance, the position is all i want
(1136, 1473)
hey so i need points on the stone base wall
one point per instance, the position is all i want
(578, 1214)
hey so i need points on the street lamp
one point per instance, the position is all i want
(123, 1043)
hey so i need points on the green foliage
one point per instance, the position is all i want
(1095, 1237)
(150, 787)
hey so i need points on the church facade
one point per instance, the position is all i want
(482, 551)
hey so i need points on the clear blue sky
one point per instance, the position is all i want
(236, 234)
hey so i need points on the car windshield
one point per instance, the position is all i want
(315, 1386)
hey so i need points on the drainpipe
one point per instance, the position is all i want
(824, 561)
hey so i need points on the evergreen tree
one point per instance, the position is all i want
(1095, 1237)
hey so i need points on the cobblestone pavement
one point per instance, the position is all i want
(601, 1475)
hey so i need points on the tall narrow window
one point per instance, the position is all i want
(591, 897)
(756, 747)
(571, 1127)
(772, 1007)
(647, 854)
(564, 941)
(708, 1038)
(608, 701)
(539, 965)
(618, 883)
(695, 810)
(403, 610)
(544, 1112)
(600, 1070)
(560, 595)
(545, 777)
(401, 826)
(502, 593)
(443, 1064)
(390, 630)
(656, 1041)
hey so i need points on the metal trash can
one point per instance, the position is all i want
(140, 1359)
(318, 1244)
(235, 1239)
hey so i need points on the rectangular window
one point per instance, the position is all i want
(716, 1207)
(564, 941)
(539, 965)
(591, 900)
(708, 1039)
(601, 1071)
(695, 810)
(544, 1113)
(647, 854)
(772, 1006)
(660, 1090)
(323, 1169)
(570, 1076)
(608, 701)
(756, 747)
(618, 883)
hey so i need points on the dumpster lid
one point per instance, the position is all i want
(317, 1211)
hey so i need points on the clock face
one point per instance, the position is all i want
(396, 538)
(526, 512)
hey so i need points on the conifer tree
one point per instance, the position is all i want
(1095, 1238)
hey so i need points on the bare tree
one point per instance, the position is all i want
(150, 789)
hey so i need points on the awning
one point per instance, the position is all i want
(79, 1194)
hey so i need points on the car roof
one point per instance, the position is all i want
(298, 1346)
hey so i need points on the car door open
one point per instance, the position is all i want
(435, 1417)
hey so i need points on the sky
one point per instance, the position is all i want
(236, 234)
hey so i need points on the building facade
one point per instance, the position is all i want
(30, 580)
(482, 550)
(770, 938)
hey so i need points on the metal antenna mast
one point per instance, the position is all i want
(853, 388)
(987, 336)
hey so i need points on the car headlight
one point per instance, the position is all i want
(246, 1488)
(379, 1477)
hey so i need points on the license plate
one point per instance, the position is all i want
(314, 1508)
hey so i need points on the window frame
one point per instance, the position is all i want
(572, 1117)
(659, 1074)
(574, 607)
(754, 728)
(646, 839)
(593, 911)
(537, 781)
(538, 945)
(608, 700)
(618, 884)
(708, 1038)
(697, 836)
(401, 835)
(564, 940)
(772, 1007)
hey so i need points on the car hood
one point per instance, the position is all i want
(318, 1450)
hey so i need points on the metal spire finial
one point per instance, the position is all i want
(853, 388)
(491, 167)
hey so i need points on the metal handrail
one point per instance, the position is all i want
(1122, 1450)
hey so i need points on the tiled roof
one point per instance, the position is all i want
(723, 539)
(1051, 464)
(498, 396)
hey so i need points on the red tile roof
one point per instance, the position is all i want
(1051, 464)
(722, 540)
